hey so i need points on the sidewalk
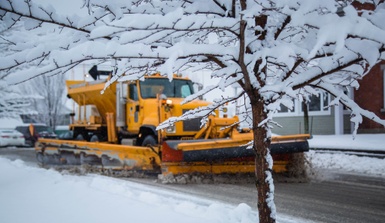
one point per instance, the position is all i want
(370, 142)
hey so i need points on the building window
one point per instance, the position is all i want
(286, 110)
(317, 105)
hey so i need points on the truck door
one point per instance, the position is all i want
(133, 109)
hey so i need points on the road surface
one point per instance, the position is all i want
(329, 197)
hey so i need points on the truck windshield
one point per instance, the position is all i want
(174, 89)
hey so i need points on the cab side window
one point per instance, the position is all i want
(132, 92)
(185, 91)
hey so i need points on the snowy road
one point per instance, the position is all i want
(332, 196)
(335, 198)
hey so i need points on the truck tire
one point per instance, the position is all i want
(79, 137)
(94, 138)
(149, 140)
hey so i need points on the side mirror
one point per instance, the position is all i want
(197, 86)
(162, 97)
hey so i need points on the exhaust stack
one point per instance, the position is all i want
(121, 97)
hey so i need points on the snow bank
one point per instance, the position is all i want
(344, 162)
(30, 194)
(348, 163)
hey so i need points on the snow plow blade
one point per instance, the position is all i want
(227, 156)
(174, 157)
(51, 152)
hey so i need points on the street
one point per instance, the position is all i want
(335, 198)
(328, 197)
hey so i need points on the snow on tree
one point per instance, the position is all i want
(50, 98)
(13, 102)
(275, 50)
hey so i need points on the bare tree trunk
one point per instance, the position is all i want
(263, 164)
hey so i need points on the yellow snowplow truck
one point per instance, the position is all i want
(116, 130)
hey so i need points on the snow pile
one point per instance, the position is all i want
(348, 163)
(30, 194)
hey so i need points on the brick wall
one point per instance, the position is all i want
(370, 96)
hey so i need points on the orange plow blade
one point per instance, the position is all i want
(226, 156)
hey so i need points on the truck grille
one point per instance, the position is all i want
(192, 125)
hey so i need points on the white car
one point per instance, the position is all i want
(11, 137)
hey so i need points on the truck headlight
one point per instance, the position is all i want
(167, 102)
(167, 105)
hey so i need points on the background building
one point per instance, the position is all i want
(324, 120)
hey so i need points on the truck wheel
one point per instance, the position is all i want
(79, 137)
(94, 138)
(149, 140)
(82, 136)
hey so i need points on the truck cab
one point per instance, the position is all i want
(153, 101)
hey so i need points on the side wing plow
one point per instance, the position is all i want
(227, 156)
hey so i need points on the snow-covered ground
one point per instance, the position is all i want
(32, 194)
(348, 163)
